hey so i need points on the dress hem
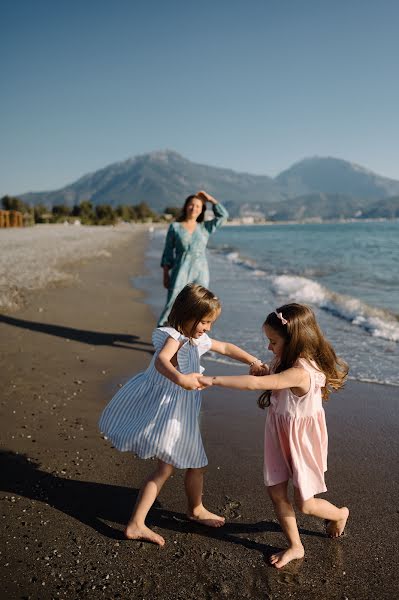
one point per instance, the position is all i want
(159, 456)
(320, 490)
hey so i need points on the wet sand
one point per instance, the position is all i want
(66, 494)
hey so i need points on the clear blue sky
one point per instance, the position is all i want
(252, 85)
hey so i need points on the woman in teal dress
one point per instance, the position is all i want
(184, 256)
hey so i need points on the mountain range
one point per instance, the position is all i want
(318, 187)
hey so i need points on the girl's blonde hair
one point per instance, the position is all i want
(193, 303)
(303, 338)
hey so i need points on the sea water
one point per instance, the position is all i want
(347, 272)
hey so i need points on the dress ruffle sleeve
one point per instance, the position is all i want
(204, 344)
(185, 359)
(161, 334)
(317, 378)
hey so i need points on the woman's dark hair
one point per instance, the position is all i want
(304, 339)
(193, 303)
(187, 201)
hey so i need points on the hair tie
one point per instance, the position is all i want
(280, 316)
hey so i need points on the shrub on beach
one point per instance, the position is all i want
(85, 211)
(12, 203)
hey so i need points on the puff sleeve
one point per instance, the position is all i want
(161, 334)
(205, 344)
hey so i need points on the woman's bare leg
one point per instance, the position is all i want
(136, 529)
(286, 517)
(194, 485)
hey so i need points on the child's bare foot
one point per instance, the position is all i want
(135, 532)
(280, 559)
(204, 517)
(336, 528)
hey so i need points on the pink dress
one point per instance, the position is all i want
(296, 437)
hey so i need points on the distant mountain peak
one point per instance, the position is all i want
(163, 178)
(335, 175)
(311, 161)
(165, 154)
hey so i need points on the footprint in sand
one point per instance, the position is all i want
(232, 508)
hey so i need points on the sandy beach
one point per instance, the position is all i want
(66, 493)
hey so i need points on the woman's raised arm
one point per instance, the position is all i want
(221, 214)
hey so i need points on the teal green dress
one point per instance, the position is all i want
(185, 254)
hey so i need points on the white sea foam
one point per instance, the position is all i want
(33, 257)
(377, 322)
(248, 263)
(371, 380)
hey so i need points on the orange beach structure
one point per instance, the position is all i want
(11, 218)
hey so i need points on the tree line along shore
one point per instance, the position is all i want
(87, 213)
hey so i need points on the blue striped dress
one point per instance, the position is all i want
(154, 417)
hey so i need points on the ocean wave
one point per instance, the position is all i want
(375, 381)
(376, 321)
(233, 256)
(242, 261)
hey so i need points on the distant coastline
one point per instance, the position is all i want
(316, 221)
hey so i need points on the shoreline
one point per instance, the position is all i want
(239, 221)
(66, 493)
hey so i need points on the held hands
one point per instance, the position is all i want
(259, 369)
(191, 381)
(205, 382)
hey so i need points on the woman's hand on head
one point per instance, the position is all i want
(207, 197)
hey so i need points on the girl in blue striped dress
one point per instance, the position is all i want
(155, 414)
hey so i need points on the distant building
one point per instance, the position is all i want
(250, 220)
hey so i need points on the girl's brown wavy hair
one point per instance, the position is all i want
(304, 339)
(193, 303)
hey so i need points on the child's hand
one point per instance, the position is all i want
(259, 369)
(191, 381)
(205, 381)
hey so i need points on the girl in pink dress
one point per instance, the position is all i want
(304, 371)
